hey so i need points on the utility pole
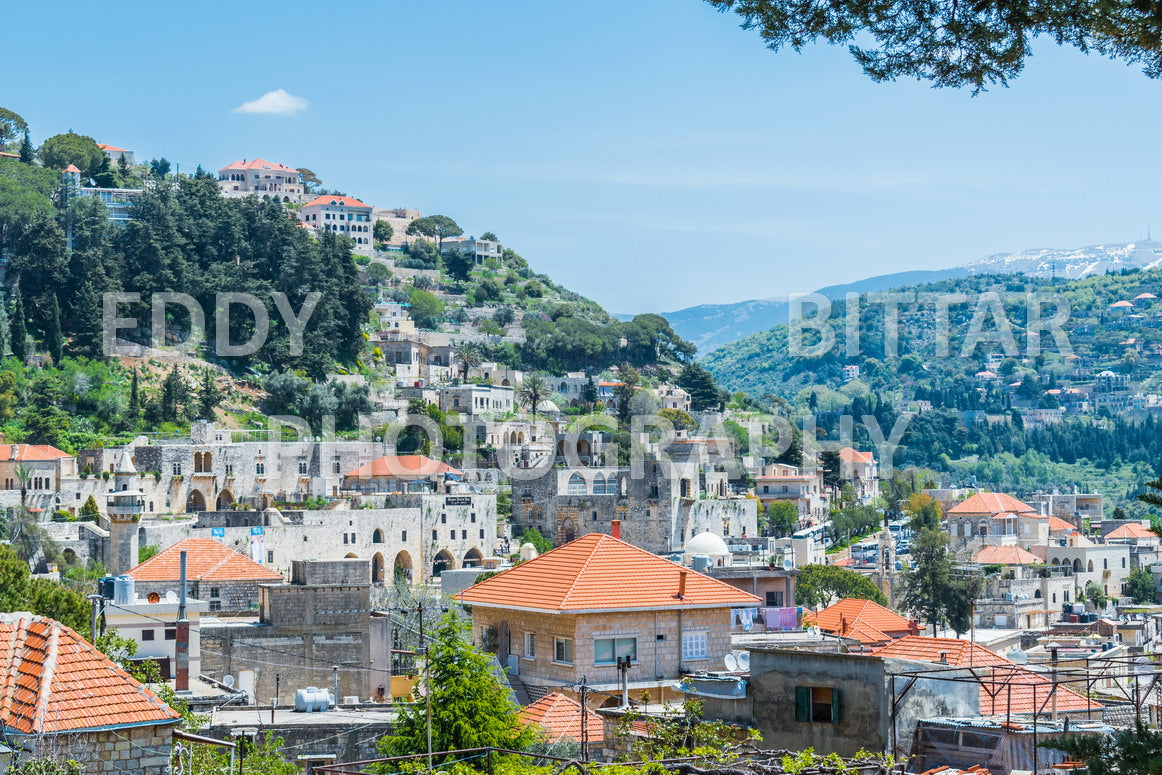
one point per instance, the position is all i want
(95, 602)
(273, 705)
(182, 648)
(623, 670)
(428, 702)
(584, 721)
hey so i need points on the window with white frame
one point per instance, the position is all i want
(694, 646)
(563, 650)
(530, 645)
(606, 651)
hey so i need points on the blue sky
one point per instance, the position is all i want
(649, 154)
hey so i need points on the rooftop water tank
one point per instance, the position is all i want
(312, 700)
(124, 592)
(702, 562)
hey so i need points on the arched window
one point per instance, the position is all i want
(983, 528)
(1089, 567)
(377, 536)
(1076, 565)
(599, 484)
(1036, 594)
(577, 485)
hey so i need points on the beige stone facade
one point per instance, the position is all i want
(143, 749)
(659, 636)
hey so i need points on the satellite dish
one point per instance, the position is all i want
(788, 564)
(731, 662)
(743, 660)
(228, 680)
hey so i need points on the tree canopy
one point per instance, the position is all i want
(956, 44)
(12, 127)
(59, 151)
(822, 585)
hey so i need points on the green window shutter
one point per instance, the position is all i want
(835, 706)
(802, 703)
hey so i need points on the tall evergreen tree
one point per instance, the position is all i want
(209, 396)
(52, 333)
(134, 408)
(19, 327)
(87, 334)
(174, 394)
(27, 153)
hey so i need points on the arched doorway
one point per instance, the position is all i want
(442, 562)
(377, 536)
(225, 500)
(402, 568)
(377, 568)
(473, 559)
(195, 501)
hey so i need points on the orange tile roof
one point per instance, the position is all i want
(53, 680)
(843, 562)
(861, 619)
(1057, 523)
(107, 147)
(560, 717)
(346, 201)
(991, 503)
(72, 168)
(1131, 530)
(850, 455)
(10, 453)
(1007, 689)
(402, 466)
(206, 560)
(598, 572)
(259, 164)
(1004, 555)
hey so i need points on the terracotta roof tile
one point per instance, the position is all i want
(560, 717)
(850, 455)
(991, 503)
(346, 201)
(107, 147)
(10, 453)
(1007, 688)
(53, 680)
(402, 467)
(259, 164)
(1057, 523)
(864, 620)
(1131, 530)
(598, 572)
(206, 560)
(1004, 555)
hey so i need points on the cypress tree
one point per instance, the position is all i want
(134, 408)
(26, 152)
(53, 329)
(19, 327)
(87, 321)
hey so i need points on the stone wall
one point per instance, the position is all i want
(144, 749)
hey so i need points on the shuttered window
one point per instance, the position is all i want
(817, 704)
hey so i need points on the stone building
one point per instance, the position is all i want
(577, 609)
(399, 219)
(64, 699)
(676, 496)
(320, 620)
(479, 249)
(259, 177)
(342, 214)
(227, 580)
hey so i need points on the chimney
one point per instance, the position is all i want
(615, 528)
(944, 657)
(682, 584)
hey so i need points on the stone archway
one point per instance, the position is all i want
(473, 558)
(402, 568)
(195, 501)
(443, 562)
(225, 500)
(377, 568)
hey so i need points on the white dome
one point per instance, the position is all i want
(707, 543)
(548, 407)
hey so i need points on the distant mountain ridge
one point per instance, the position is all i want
(711, 326)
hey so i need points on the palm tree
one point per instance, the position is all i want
(1153, 498)
(468, 353)
(534, 390)
(24, 474)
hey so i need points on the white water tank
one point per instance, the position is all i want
(124, 590)
(312, 700)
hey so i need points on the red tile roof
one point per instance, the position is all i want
(259, 164)
(11, 453)
(113, 148)
(991, 503)
(402, 467)
(72, 168)
(206, 560)
(1057, 523)
(850, 455)
(346, 201)
(1131, 530)
(596, 573)
(1007, 688)
(53, 680)
(560, 717)
(864, 620)
(1004, 555)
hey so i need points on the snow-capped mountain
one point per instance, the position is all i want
(713, 325)
(1072, 264)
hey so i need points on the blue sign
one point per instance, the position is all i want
(256, 531)
(218, 532)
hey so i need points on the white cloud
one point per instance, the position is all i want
(278, 102)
